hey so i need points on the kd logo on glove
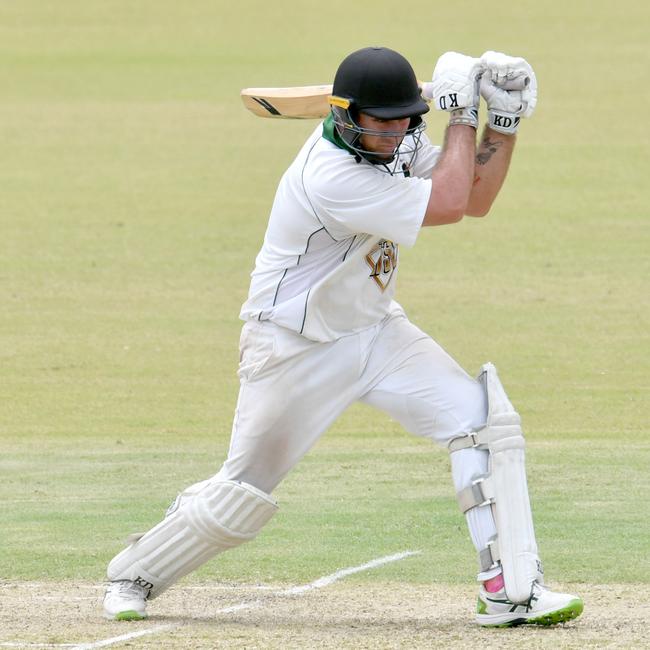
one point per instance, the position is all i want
(506, 122)
(453, 101)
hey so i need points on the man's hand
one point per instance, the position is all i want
(509, 88)
(456, 87)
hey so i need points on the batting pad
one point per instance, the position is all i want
(211, 517)
(506, 489)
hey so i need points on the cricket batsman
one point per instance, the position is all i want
(322, 330)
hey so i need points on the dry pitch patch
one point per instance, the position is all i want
(348, 614)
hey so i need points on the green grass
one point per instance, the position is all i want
(135, 192)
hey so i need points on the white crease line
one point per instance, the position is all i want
(124, 637)
(94, 644)
(325, 581)
(238, 608)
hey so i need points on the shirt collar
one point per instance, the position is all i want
(330, 133)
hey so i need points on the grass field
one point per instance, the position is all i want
(135, 193)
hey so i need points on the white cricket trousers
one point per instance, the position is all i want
(293, 389)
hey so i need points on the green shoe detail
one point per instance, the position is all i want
(129, 615)
(568, 613)
(481, 607)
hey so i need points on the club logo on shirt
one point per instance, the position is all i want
(382, 259)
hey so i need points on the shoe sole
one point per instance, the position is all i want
(128, 615)
(554, 617)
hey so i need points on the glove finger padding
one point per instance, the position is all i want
(500, 67)
(529, 95)
(511, 72)
(455, 81)
(508, 101)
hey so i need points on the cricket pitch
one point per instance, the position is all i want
(346, 615)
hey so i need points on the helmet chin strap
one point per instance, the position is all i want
(376, 159)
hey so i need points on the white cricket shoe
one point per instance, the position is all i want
(124, 600)
(544, 607)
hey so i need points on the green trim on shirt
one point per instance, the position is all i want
(330, 133)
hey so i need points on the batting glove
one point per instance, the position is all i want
(455, 87)
(509, 87)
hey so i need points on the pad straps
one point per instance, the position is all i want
(489, 557)
(473, 439)
(479, 493)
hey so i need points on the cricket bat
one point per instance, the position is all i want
(300, 102)
(311, 102)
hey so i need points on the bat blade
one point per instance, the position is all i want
(300, 102)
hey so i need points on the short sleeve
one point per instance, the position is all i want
(357, 198)
(427, 158)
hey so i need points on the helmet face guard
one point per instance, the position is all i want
(381, 83)
(403, 157)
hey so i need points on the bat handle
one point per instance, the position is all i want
(426, 90)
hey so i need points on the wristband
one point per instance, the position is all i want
(467, 116)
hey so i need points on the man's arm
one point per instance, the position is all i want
(455, 90)
(509, 88)
(452, 177)
(492, 162)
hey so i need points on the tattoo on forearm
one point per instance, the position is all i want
(487, 150)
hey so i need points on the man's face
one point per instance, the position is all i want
(382, 145)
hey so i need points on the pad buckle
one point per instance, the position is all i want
(478, 493)
(489, 557)
(467, 441)
(474, 438)
(478, 485)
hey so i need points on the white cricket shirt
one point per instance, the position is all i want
(330, 256)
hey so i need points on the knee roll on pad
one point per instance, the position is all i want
(505, 488)
(206, 519)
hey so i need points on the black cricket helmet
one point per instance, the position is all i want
(381, 83)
